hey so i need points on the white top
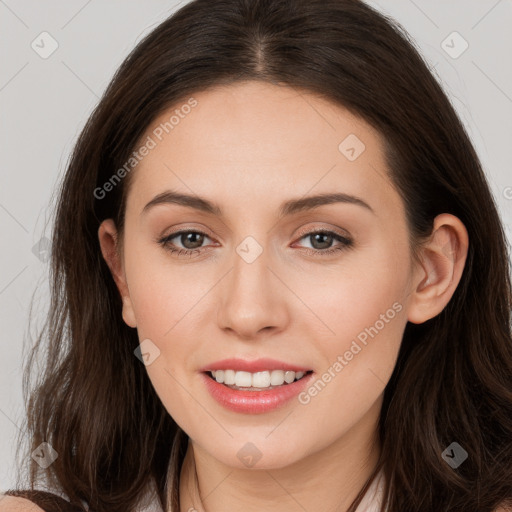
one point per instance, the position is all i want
(373, 498)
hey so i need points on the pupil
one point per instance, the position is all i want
(187, 236)
(323, 235)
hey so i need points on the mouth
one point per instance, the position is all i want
(257, 381)
(252, 393)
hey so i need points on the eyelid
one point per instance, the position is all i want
(321, 229)
(303, 231)
(345, 242)
(180, 229)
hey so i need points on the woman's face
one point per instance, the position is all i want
(259, 283)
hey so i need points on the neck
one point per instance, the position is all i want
(329, 479)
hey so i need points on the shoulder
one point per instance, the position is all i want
(34, 500)
(15, 504)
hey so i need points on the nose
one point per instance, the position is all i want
(252, 299)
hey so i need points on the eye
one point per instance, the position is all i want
(325, 238)
(192, 241)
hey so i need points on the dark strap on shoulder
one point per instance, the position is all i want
(47, 501)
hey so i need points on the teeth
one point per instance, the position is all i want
(264, 379)
(289, 377)
(229, 377)
(261, 380)
(243, 379)
(277, 378)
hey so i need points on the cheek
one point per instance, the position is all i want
(363, 316)
(365, 289)
(167, 301)
(162, 291)
(358, 363)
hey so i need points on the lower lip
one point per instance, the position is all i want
(255, 402)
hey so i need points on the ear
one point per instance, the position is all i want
(442, 263)
(108, 238)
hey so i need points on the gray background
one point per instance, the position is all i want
(45, 102)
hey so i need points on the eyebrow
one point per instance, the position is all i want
(287, 208)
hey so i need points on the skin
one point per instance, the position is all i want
(13, 504)
(248, 147)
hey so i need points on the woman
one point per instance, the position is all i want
(197, 347)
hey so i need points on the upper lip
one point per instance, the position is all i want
(257, 365)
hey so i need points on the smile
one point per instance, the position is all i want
(256, 381)
(255, 400)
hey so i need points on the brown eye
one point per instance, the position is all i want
(322, 240)
(190, 240)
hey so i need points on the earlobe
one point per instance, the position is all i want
(128, 313)
(442, 263)
(108, 239)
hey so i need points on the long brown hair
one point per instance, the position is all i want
(452, 382)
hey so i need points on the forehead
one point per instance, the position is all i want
(258, 141)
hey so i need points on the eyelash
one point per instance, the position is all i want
(346, 243)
